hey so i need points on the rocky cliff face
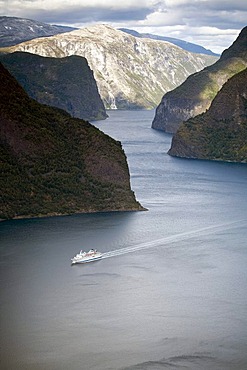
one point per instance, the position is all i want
(195, 95)
(14, 30)
(67, 83)
(131, 73)
(221, 132)
(54, 164)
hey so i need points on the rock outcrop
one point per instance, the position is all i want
(221, 132)
(53, 164)
(131, 73)
(67, 83)
(195, 95)
(14, 30)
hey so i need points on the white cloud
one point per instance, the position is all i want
(18, 5)
(162, 18)
(210, 37)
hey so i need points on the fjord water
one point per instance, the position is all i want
(171, 291)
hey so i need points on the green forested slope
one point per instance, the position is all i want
(54, 164)
(221, 132)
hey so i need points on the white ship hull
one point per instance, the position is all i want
(86, 260)
(85, 257)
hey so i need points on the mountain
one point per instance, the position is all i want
(14, 30)
(189, 46)
(53, 164)
(131, 73)
(67, 83)
(195, 95)
(221, 132)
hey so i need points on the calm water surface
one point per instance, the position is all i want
(172, 296)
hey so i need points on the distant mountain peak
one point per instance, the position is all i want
(189, 46)
(14, 30)
(131, 73)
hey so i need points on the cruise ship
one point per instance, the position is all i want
(84, 257)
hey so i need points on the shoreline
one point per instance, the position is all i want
(56, 214)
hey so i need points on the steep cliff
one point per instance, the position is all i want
(66, 83)
(221, 132)
(131, 73)
(195, 95)
(14, 30)
(54, 164)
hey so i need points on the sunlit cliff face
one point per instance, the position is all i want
(130, 72)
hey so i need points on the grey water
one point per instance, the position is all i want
(171, 290)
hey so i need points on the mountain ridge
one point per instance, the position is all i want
(14, 30)
(196, 93)
(131, 73)
(220, 133)
(189, 46)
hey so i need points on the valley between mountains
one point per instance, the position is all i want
(131, 72)
(55, 162)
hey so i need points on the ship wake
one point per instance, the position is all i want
(175, 238)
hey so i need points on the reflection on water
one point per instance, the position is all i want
(173, 293)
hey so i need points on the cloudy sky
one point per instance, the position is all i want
(214, 24)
